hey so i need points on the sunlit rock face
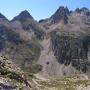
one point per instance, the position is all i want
(72, 50)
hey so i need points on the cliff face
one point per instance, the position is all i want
(72, 50)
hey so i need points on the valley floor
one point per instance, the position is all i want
(78, 82)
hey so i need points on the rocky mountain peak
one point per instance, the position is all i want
(83, 10)
(62, 9)
(61, 14)
(23, 16)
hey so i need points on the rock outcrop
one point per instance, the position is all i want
(11, 76)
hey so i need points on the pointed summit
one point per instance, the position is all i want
(61, 14)
(23, 16)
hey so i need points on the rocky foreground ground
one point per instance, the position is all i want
(13, 78)
(66, 83)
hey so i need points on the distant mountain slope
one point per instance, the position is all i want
(56, 46)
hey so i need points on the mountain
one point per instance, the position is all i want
(68, 42)
(56, 47)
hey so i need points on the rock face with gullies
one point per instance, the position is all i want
(72, 50)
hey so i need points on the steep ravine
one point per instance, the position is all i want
(72, 50)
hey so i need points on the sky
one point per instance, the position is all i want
(39, 9)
